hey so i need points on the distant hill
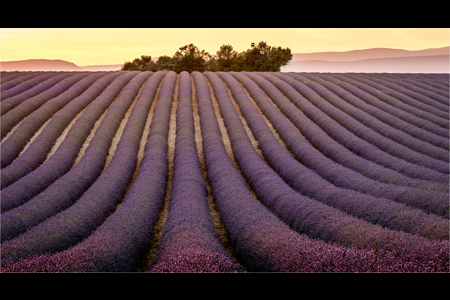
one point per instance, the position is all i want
(381, 60)
(52, 65)
(39, 65)
(368, 53)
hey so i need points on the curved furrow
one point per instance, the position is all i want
(22, 110)
(100, 199)
(51, 80)
(120, 243)
(372, 96)
(7, 85)
(68, 188)
(313, 197)
(16, 141)
(322, 97)
(390, 115)
(436, 201)
(309, 183)
(407, 103)
(261, 241)
(303, 214)
(396, 107)
(341, 145)
(427, 88)
(37, 151)
(63, 159)
(6, 76)
(424, 96)
(189, 233)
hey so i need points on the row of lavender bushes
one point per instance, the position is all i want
(383, 110)
(37, 150)
(64, 157)
(75, 223)
(189, 241)
(429, 88)
(356, 128)
(264, 243)
(13, 145)
(301, 213)
(360, 99)
(406, 103)
(425, 96)
(309, 183)
(334, 173)
(17, 83)
(15, 111)
(261, 241)
(68, 188)
(339, 144)
(121, 242)
(387, 135)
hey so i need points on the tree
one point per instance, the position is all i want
(144, 63)
(225, 58)
(190, 58)
(165, 63)
(261, 57)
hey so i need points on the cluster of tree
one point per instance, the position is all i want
(261, 57)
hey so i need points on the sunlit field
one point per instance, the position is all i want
(130, 171)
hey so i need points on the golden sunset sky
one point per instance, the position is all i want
(102, 46)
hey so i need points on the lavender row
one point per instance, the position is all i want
(310, 184)
(441, 87)
(189, 231)
(433, 91)
(63, 159)
(344, 147)
(6, 76)
(261, 241)
(68, 188)
(13, 145)
(51, 79)
(301, 213)
(27, 79)
(406, 103)
(121, 242)
(393, 142)
(422, 98)
(70, 226)
(332, 172)
(422, 95)
(418, 109)
(384, 136)
(14, 116)
(376, 107)
(432, 157)
(358, 98)
(394, 99)
(37, 151)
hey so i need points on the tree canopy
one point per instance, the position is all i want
(260, 57)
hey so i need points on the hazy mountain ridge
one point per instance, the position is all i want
(386, 60)
(413, 64)
(52, 65)
(368, 54)
(433, 60)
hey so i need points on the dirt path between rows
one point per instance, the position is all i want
(149, 259)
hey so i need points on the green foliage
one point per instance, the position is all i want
(261, 57)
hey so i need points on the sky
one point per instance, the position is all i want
(103, 46)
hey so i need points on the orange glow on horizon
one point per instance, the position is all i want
(101, 46)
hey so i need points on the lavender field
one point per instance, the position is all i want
(130, 171)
